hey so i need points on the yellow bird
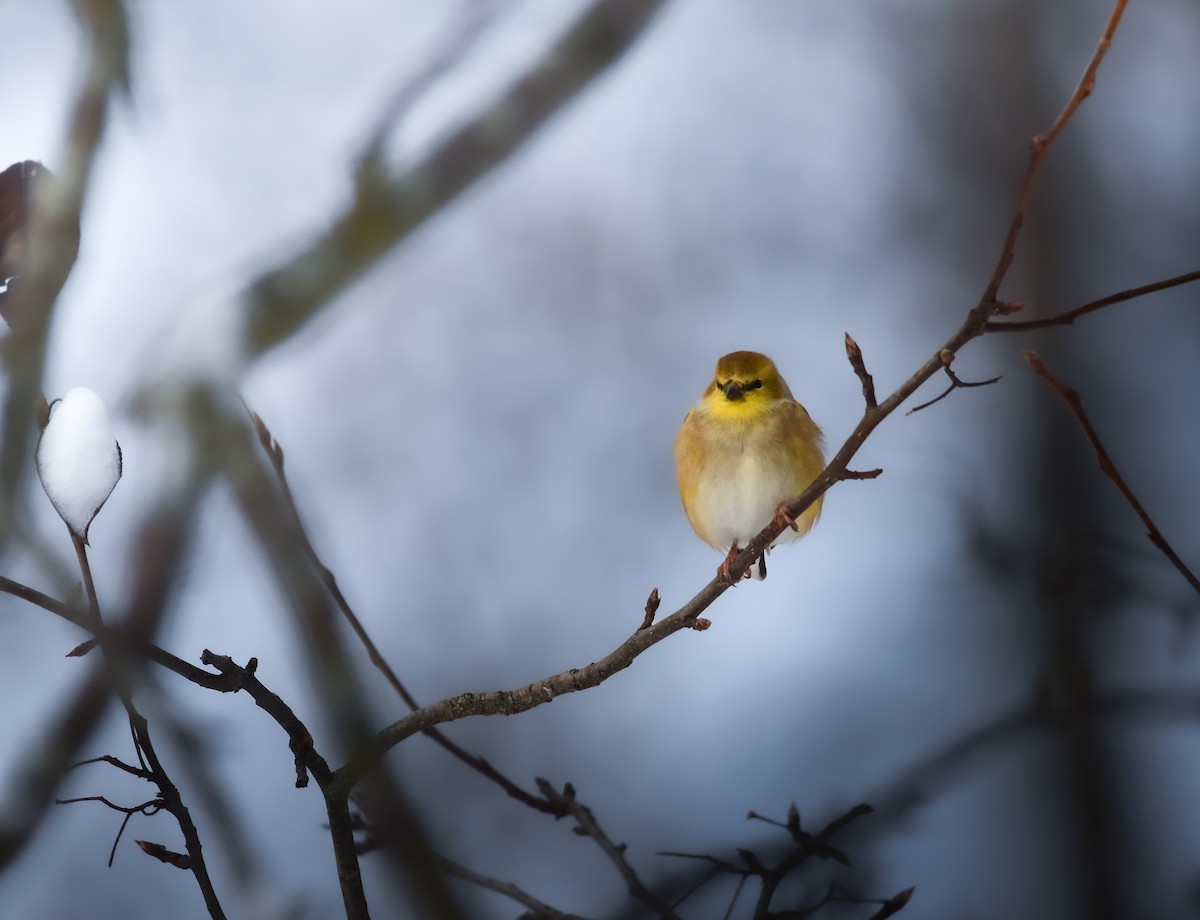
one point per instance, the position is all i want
(744, 452)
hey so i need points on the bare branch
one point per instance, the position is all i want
(540, 692)
(1075, 404)
(956, 383)
(1040, 146)
(587, 826)
(120, 638)
(386, 210)
(149, 809)
(1068, 317)
(308, 761)
(275, 452)
(539, 910)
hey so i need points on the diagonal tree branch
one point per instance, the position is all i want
(1040, 146)
(1075, 404)
(386, 209)
(537, 909)
(275, 453)
(587, 826)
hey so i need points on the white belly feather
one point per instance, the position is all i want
(741, 500)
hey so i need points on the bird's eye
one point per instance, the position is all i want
(754, 385)
(720, 386)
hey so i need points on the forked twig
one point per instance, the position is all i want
(956, 383)
(1069, 316)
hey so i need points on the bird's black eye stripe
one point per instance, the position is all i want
(753, 385)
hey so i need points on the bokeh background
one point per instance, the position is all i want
(982, 643)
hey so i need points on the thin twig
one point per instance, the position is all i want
(806, 846)
(1040, 146)
(330, 666)
(540, 910)
(148, 809)
(274, 451)
(139, 772)
(1075, 404)
(956, 383)
(151, 767)
(1069, 316)
(85, 570)
(854, 353)
(587, 826)
(114, 637)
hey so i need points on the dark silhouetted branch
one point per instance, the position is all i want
(148, 809)
(537, 909)
(587, 826)
(1075, 404)
(806, 846)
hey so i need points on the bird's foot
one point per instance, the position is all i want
(723, 569)
(783, 518)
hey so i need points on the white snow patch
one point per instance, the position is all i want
(78, 459)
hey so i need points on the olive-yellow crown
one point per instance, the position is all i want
(746, 374)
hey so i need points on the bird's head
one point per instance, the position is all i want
(745, 383)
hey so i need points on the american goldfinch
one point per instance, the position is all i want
(744, 452)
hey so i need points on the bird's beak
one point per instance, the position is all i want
(734, 391)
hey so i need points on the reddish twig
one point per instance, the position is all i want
(1068, 317)
(854, 353)
(162, 854)
(1075, 404)
(652, 603)
(1041, 146)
